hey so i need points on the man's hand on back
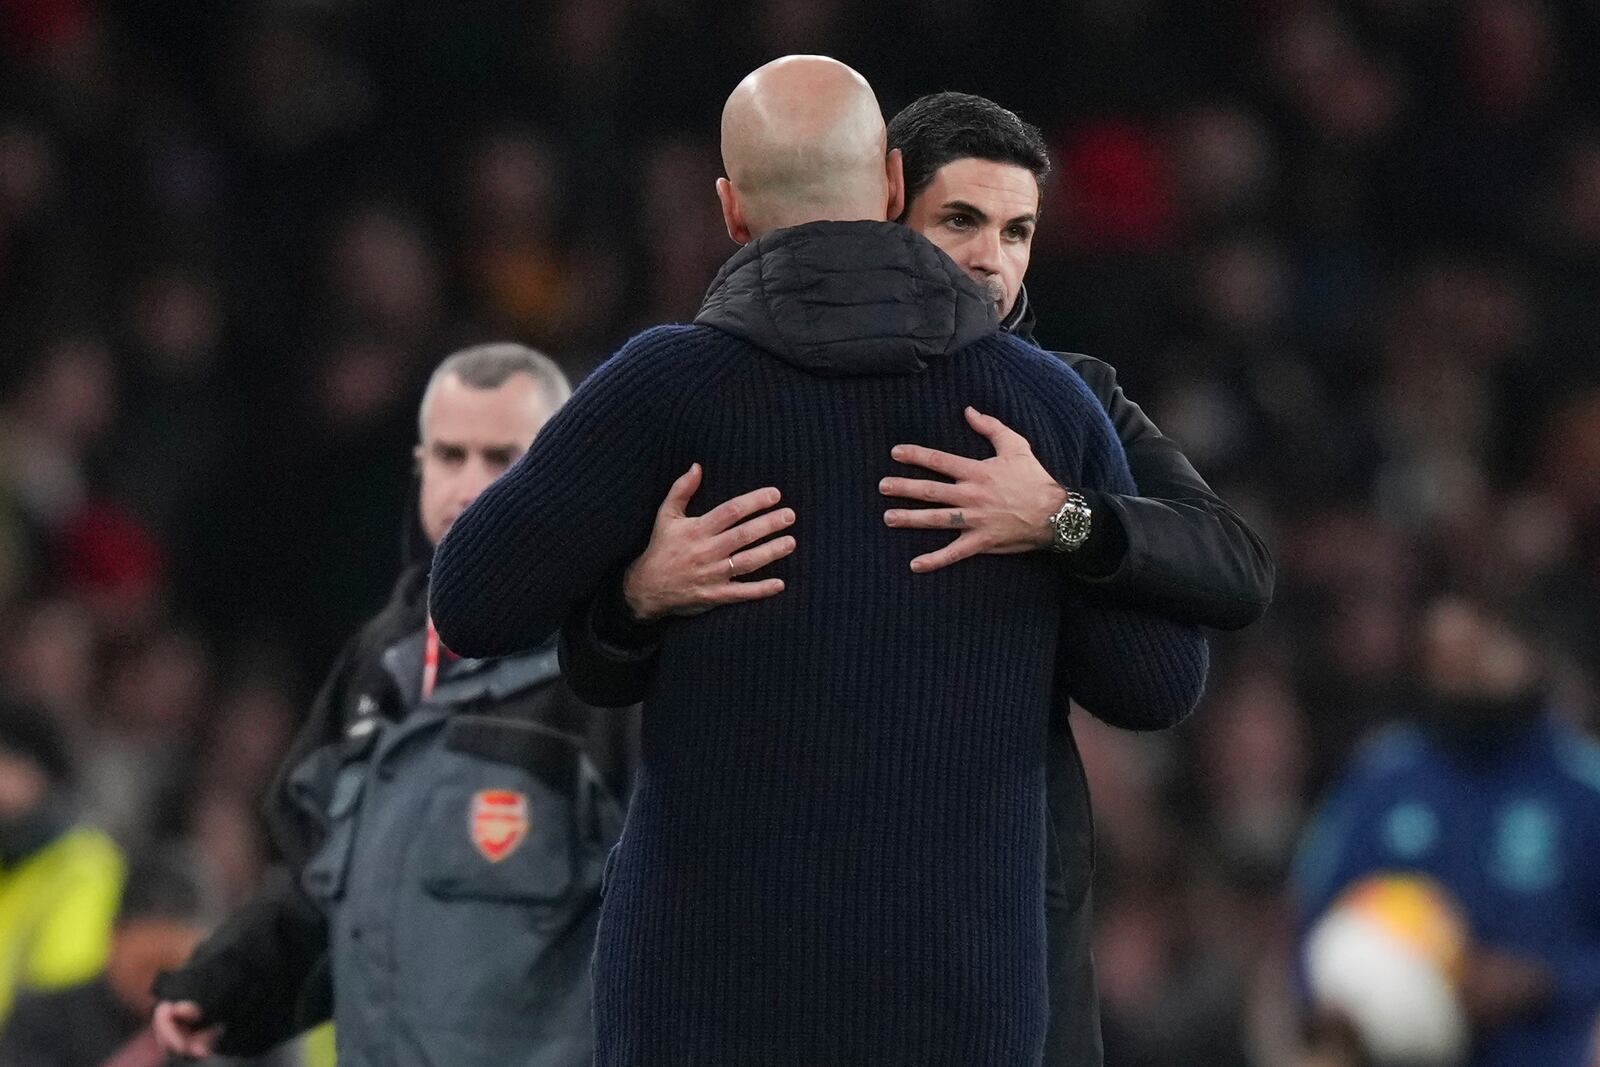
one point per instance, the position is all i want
(693, 564)
(999, 506)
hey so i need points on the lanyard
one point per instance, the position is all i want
(430, 661)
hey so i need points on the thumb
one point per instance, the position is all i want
(676, 505)
(187, 1011)
(1006, 441)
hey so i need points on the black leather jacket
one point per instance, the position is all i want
(1188, 556)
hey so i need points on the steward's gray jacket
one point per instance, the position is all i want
(443, 866)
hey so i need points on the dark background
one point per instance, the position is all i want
(1348, 254)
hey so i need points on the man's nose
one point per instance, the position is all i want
(473, 482)
(986, 252)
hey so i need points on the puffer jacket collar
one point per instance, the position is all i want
(848, 298)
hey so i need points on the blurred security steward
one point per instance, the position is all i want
(443, 821)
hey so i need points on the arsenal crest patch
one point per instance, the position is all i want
(499, 822)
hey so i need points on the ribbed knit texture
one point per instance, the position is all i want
(834, 852)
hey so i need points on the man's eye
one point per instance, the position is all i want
(960, 222)
(1019, 233)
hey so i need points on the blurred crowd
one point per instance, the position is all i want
(1346, 253)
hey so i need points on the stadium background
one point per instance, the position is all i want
(1348, 254)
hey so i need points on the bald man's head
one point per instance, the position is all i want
(803, 140)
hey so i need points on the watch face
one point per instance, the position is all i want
(1071, 524)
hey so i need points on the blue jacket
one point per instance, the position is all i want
(1515, 837)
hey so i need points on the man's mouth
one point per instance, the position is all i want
(994, 289)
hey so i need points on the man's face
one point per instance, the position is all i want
(982, 214)
(140, 950)
(1467, 653)
(23, 785)
(469, 437)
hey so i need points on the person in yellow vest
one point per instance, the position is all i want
(60, 879)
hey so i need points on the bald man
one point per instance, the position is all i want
(834, 854)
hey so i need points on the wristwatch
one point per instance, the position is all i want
(1069, 526)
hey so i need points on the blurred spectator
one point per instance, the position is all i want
(1254, 768)
(161, 918)
(50, 663)
(113, 564)
(1490, 794)
(383, 275)
(60, 412)
(59, 877)
(683, 228)
(1224, 166)
(178, 413)
(142, 744)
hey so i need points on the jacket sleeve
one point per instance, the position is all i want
(250, 974)
(607, 657)
(1185, 553)
(576, 507)
(1131, 668)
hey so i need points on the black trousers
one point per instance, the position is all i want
(1073, 1038)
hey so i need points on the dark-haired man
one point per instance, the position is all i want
(973, 173)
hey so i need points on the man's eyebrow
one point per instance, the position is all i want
(977, 213)
(980, 216)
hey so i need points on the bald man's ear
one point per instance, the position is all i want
(895, 169)
(733, 212)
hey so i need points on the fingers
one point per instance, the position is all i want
(676, 505)
(174, 1027)
(951, 466)
(738, 592)
(748, 533)
(204, 1044)
(926, 491)
(739, 508)
(166, 1029)
(754, 559)
(963, 547)
(926, 518)
(1006, 441)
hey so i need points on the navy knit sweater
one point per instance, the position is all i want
(834, 852)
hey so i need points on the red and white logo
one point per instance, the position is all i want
(499, 822)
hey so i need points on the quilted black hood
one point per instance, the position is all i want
(846, 298)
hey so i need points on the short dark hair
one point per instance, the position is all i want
(943, 127)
